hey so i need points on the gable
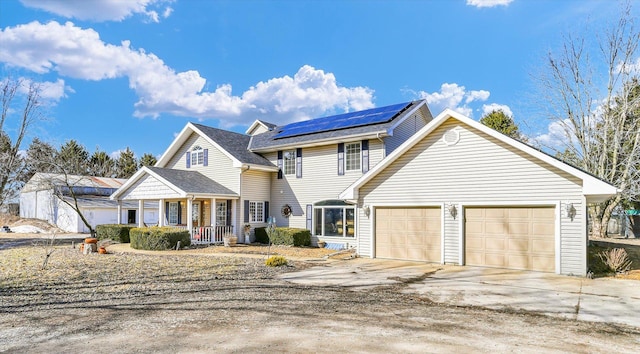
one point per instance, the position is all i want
(476, 167)
(178, 160)
(149, 187)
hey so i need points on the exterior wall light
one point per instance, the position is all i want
(453, 211)
(571, 211)
(367, 210)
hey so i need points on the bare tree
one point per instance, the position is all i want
(12, 164)
(592, 93)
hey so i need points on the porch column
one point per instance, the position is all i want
(214, 211)
(140, 213)
(161, 212)
(190, 215)
(119, 218)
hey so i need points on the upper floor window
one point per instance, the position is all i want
(289, 158)
(352, 156)
(197, 156)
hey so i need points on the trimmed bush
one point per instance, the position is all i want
(291, 236)
(261, 235)
(276, 261)
(115, 232)
(158, 238)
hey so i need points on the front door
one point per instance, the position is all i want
(195, 215)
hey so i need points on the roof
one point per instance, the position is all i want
(233, 145)
(328, 128)
(42, 180)
(191, 182)
(591, 186)
(184, 182)
(106, 203)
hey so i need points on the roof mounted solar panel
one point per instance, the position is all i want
(342, 121)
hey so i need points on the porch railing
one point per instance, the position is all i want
(209, 234)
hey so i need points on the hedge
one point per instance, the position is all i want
(291, 236)
(115, 232)
(261, 235)
(158, 238)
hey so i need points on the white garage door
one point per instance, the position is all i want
(408, 233)
(510, 237)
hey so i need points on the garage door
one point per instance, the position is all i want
(511, 237)
(408, 233)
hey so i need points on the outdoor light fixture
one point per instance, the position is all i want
(453, 211)
(571, 211)
(367, 210)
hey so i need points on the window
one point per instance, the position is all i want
(221, 213)
(352, 161)
(256, 211)
(173, 213)
(197, 156)
(289, 162)
(334, 218)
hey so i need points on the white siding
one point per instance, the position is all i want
(452, 240)
(479, 170)
(148, 188)
(407, 129)
(256, 186)
(220, 167)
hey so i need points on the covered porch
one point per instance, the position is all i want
(186, 200)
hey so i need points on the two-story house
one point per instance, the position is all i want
(391, 182)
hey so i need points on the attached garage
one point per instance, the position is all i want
(408, 233)
(502, 203)
(510, 237)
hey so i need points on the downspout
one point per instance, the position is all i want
(384, 149)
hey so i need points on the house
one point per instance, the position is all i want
(46, 196)
(391, 182)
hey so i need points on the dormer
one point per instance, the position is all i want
(259, 127)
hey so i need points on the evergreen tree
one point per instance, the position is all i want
(500, 121)
(101, 164)
(126, 165)
(148, 160)
(73, 158)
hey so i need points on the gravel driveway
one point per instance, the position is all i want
(122, 303)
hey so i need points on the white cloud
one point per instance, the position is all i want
(79, 53)
(454, 97)
(556, 137)
(488, 108)
(488, 3)
(102, 10)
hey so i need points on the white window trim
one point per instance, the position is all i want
(197, 156)
(353, 155)
(286, 169)
(253, 216)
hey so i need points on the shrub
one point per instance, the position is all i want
(616, 259)
(115, 232)
(276, 261)
(261, 235)
(158, 238)
(291, 236)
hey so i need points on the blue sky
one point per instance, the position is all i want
(132, 73)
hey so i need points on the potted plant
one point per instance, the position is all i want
(229, 240)
(247, 233)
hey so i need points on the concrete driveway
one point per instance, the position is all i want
(602, 300)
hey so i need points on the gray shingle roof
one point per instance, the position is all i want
(192, 182)
(266, 140)
(234, 143)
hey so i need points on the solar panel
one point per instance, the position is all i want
(342, 121)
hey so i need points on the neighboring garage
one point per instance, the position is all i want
(500, 203)
(510, 237)
(409, 233)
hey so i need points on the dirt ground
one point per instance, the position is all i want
(201, 303)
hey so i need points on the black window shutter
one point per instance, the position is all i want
(179, 213)
(279, 164)
(365, 156)
(188, 159)
(298, 163)
(228, 212)
(206, 157)
(309, 216)
(166, 212)
(340, 159)
(266, 211)
(246, 211)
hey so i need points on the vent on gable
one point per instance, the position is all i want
(451, 137)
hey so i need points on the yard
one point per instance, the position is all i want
(136, 302)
